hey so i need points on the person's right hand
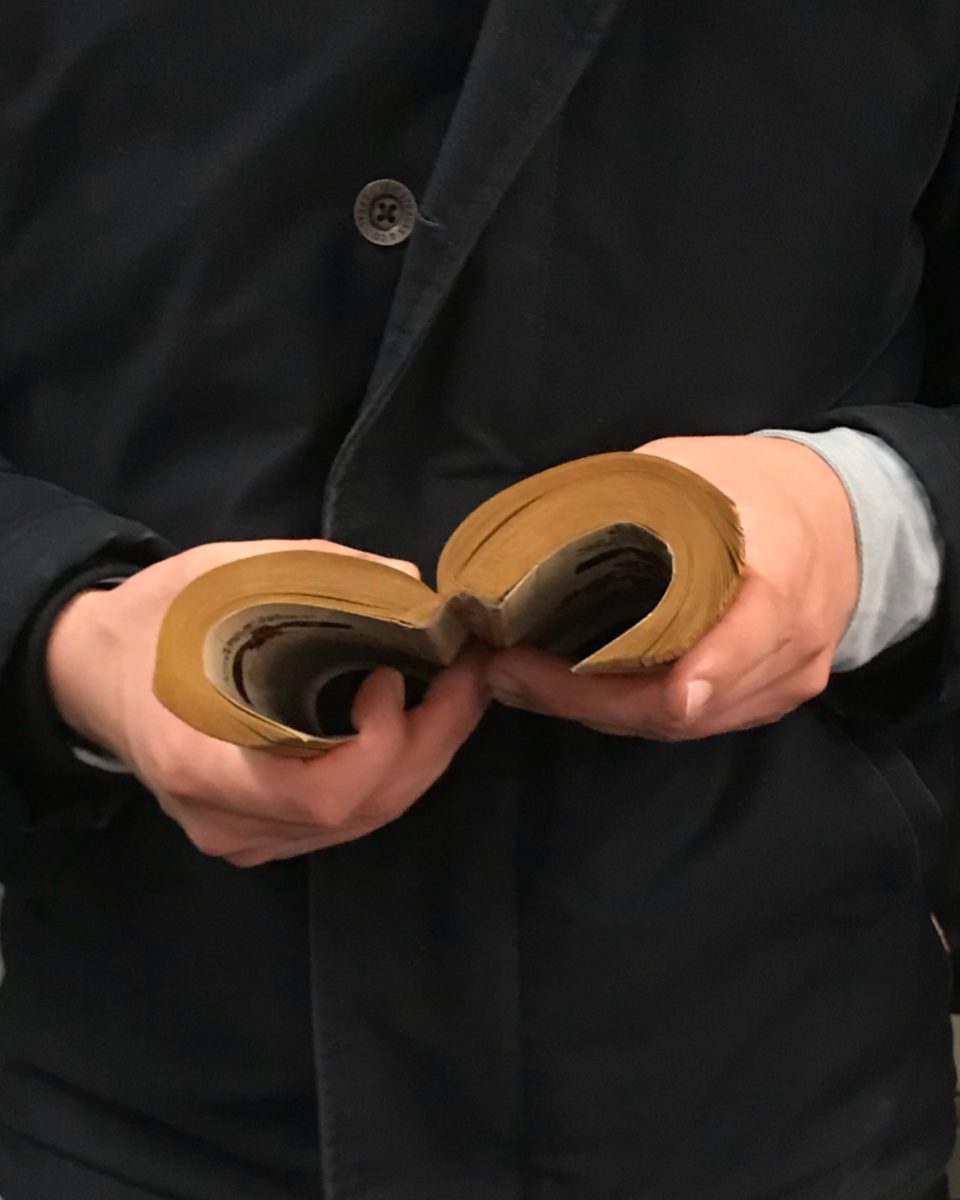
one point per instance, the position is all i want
(243, 805)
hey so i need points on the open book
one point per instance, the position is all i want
(619, 562)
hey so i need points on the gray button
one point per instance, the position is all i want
(385, 212)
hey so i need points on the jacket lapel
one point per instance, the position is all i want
(529, 57)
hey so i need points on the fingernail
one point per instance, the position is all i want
(698, 697)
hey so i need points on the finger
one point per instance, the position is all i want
(254, 811)
(747, 652)
(340, 782)
(540, 682)
(768, 703)
(219, 834)
(777, 689)
(324, 790)
(752, 650)
(743, 656)
(393, 753)
(280, 849)
(452, 706)
(259, 856)
(436, 729)
(202, 775)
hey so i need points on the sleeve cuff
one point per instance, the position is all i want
(899, 546)
(46, 740)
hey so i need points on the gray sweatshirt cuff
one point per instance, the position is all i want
(900, 549)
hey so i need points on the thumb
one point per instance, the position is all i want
(379, 701)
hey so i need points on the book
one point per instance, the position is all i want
(617, 562)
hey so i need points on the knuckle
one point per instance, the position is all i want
(672, 726)
(382, 806)
(177, 777)
(327, 813)
(794, 694)
(810, 682)
(244, 860)
(780, 592)
(396, 794)
(210, 842)
(312, 809)
(817, 679)
(660, 730)
(675, 731)
(612, 730)
(820, 676)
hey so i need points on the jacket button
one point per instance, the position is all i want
(385, 212)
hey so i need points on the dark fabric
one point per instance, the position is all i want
(581, 968)
(42, 785)
(44, 746)
(939, 1191)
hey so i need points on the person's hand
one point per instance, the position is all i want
(773, 649)
(241, 805)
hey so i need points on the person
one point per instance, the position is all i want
(334, 274)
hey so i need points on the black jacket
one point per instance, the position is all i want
(582, 968)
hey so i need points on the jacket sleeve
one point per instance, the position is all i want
(898, 542)
(47, 538)
(926, 665)
(921, 677)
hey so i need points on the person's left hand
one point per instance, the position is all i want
(773, 649)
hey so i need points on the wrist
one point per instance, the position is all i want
(80, 654)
